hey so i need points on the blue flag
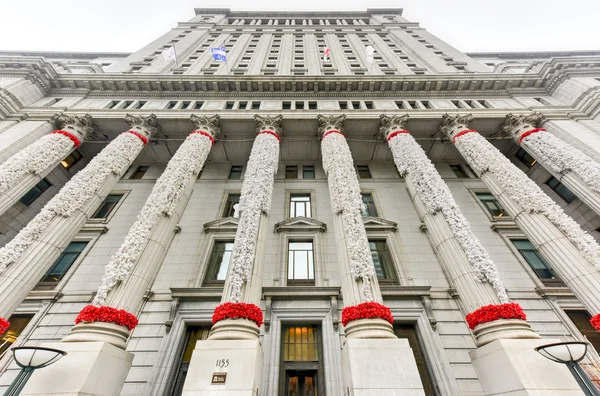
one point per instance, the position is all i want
(219, 54)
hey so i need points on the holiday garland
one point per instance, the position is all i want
(239, 310)
(561, 157)
(105, 314)
(412, 162)
(254, 200)
(595, 321)
(34, 159)
(493, 312)
(4, 325)
(76, 193)
(182, 168)
(367, 310)
(484, 157)
(344, 192)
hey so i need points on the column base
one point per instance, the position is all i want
(382, 367)
(512, 367)
(503, 329)
(99, 332)
(88, 368)
(369, 328)
(234, 329)
(238, 362)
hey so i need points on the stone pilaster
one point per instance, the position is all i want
(466, 263)
(25, 259)
(570, 251)
(25, 169)
(578, 172)
(133, 269)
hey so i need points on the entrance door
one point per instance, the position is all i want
(301, 383)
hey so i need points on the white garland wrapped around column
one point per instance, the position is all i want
(346, 200)
(561, 157)
(254, 200)
(412, 162)
(486, 158)
(185, 165)
(114, 159)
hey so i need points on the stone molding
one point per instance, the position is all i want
(226, 224)
(300, 224)
(373, 223)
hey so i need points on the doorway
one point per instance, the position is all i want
(301, 383)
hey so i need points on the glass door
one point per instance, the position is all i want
(301, 383)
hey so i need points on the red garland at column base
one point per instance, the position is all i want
(106, 314)
(492, 312)
(76, 142)
(366, 310)
(595, 321)
(4, 324)
(231, 310)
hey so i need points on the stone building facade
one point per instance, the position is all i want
(429, 180)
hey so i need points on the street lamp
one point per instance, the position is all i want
(30, 358)
(570, 353)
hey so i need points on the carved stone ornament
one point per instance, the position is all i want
(451, 125)
(513, 124)
(269, 123)
(207, 124)
(147, 125)
(391, 124)
(84, 125)
(327, 123)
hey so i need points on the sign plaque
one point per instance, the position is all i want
(219, 378)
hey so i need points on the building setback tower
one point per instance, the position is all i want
(299, 203)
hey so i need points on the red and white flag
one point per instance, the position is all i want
(326, 52)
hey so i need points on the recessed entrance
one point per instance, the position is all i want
(301, 383)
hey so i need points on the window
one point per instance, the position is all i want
(343, 105)
(109, 204)
(384, 268)
(299, 105)
(198, 105)
(581, 320)
(61, 266)
(229, 105)
(287, 105)
(301, 269)
(356, 105)
(35, 192)
(300, 344)
(369, 105)
(242, 105)
(363, 171)
(369, 208)
(194, 334)
(172, 105)
(236, 172)
(492, 205)
(407, 331)
(312, 105)
(536, 262)
(459, 171)
(139, 172)
(308, 172)
(301, 368)
(255, 105)
(231, 206)
(561, 190)
(18, 322)
(291, 172)
(71, 159)
(525, 158)
(300, 205)
(219, 263)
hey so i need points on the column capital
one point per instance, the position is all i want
(516, 125)
(391, 124)
(453, 124)
(269, 123)
(82, 126)
(209, 124)
(327, 123)
(146, 125)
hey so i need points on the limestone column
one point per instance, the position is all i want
(578, 172)
(25, 259)
(465, 261)
(21, 172)
(236, 322)
(133, 269)
(367, 322)
(571, 252)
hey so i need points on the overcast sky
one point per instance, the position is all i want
(469, 25)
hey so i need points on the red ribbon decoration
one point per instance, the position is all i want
(459, 134)
(268, 132)
(331, 131)
(394, 134)
(531, 132)
(208, 135)
(76, 142)
(143, 138)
